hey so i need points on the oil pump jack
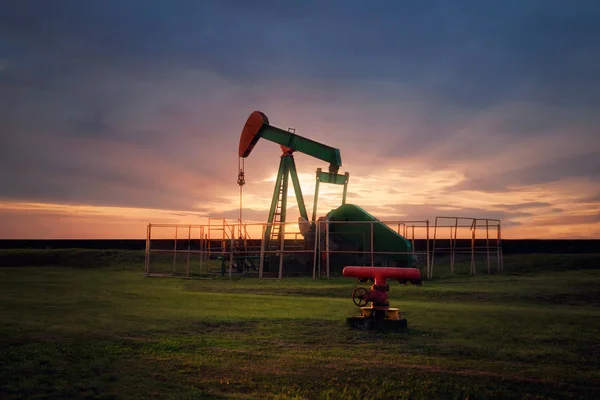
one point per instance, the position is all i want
(361, 239)
(257, 126)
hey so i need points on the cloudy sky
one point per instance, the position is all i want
(114, 114)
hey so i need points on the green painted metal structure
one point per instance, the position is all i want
(354, 232)
(303, 145)
(258, 127)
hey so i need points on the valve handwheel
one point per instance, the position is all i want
(360, 296)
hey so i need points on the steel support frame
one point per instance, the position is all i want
(287, 169)
(328, 177)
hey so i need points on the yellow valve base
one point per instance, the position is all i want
(380, 312)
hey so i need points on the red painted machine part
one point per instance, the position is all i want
(380, 274)
(378, 297)
(249, 136)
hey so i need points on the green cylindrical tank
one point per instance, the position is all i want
(348, 236)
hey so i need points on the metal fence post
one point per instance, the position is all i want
(316, 250)
(231, 255)
(327, 245)
(201, 233)
(281, 247)
(433, 244)
(261, 262)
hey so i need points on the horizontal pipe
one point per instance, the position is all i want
(380, 274)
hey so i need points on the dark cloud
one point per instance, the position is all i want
(579, 219)
(584, 166)
(188, 214)
(593, 199)
(488, 48)
(92, 171)
(95, 124)
(525, 206)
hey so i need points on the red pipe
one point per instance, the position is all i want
(380, 274)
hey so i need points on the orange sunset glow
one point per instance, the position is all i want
(526, 212)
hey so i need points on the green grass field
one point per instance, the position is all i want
(83, 324)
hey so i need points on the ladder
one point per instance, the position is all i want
(276, 228)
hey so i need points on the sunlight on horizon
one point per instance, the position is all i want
(392, 194)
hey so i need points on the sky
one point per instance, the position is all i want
(115, 114)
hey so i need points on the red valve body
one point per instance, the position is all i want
(378, 294)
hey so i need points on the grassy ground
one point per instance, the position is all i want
(91, 326)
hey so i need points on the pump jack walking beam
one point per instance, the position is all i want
(258, 127)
